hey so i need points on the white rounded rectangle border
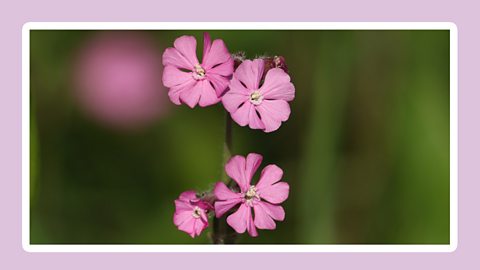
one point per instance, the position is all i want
(452, 246)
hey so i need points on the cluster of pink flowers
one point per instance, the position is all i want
(251, 94)
(264, 197)
(256, 93)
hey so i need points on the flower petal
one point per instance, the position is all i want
(235, 169)
(221, 207)
(253, 162)
(252, 231)
(242, 170)
(273, 112)
(207, 43)
(277, 85)
(225, 69)
(188, 195)
(254, 120)
(238, 220)
(188, 226)
(232, 101)
(274, 211)
(250, 73)
(199, 226)
(278, 109)
(219, 82)
(238, 88)
(270, 175)
(242, 115)
(203, 216)
(173, 57)
(276, 193)
(222, 192)
(192, 96)
(187, 46)
(208, 95)
(262, 218)
(172, 76)
(216, 55)
(175, 91)
(183, 205)
(181, 216)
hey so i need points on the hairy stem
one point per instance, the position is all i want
(222, 233)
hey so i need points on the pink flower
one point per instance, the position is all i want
(264, 197)
(263, 106)
(115, 76)
(191, 213)
(193, 83)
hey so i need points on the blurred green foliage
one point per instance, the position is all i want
(366, 148)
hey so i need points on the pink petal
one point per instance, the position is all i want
(253, 162)
(273, 112)
(276, 193)
(188, 226)
(241, 170)
(199, 226)
(250, 73)
(242, 115)
(208, 95)
(274, 211)
(207, 43)
(203, 204)
(181, 216)
(231, 101)
(269, 176)
(192, 96)
(222, 192)
(278, 109)
(235, 169)
(187, 46)
(238, 88)
(252, 231)
(219, 82)
(238, 220)
(188, 195)
(172, 76)
(204, 217)
(217, 54)
(173, 57)
(271, 124)
(254, 120)
(225, 69)
(242, 220)
(277, 85)
(262, 218)
(175, 91)
(221, 207)
(182, 206)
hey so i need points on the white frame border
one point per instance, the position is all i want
(237, 26)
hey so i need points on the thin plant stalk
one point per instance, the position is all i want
(222, 233)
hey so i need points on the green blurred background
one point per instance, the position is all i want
(365, 151)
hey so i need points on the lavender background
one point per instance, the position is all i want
(13, 16)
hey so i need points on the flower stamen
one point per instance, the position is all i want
(198, 72)
(251, 195)
(256, 98)
(196, 212)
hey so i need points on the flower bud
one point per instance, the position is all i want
(275, 62)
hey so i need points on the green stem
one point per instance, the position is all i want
(222, 233)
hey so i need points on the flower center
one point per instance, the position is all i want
(251, 194)
(256, 98)
(198, 72)
(196, 212)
